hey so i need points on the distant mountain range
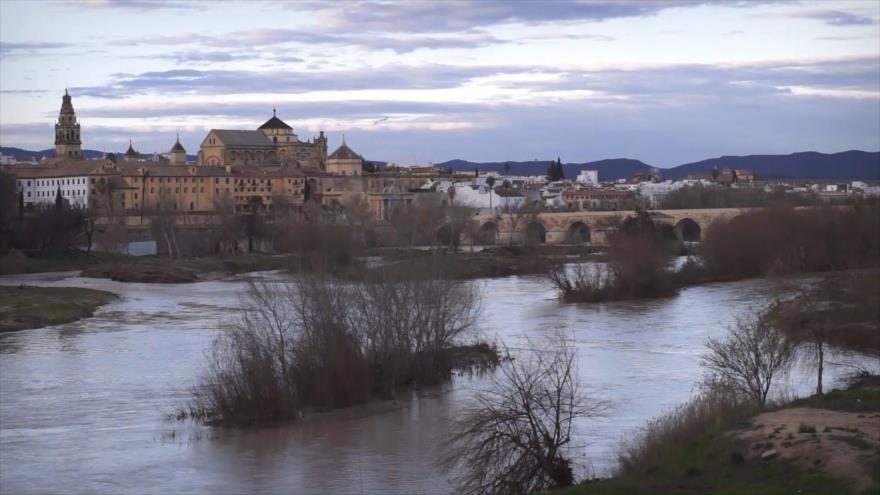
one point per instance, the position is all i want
(846, 165)
(26, 155)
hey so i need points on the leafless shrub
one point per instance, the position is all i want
(753, 355)
(636, 269)
(514, 440)
(318, 343)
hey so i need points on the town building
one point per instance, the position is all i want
(68, 143)
(595, 198)
(588, 178)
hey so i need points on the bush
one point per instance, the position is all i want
(780, 239)
(804, 428)
(318, 343)
(636, 269)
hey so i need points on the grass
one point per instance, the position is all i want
(861, 397)
(32, 307)
(709, 460)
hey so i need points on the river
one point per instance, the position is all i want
(83, 405)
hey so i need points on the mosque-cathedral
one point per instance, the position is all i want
(254, 169)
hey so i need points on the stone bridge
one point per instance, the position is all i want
(579, 227)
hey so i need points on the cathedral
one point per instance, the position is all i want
(67, 140)
(273, 143)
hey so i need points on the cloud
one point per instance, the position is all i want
(213, 82)
(202, 57)
(261, 38)
(33, 48)
(456, 15)
(837, 18)
(142, 5)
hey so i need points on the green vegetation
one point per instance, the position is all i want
(862, 397)
(694, 450)
(33, 307)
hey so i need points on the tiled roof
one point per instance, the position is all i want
(274, 123)
(242, 138)
(344, 153)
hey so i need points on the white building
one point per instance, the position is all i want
(43, 190)
(655, 192)
(588, 178)
(497, 199)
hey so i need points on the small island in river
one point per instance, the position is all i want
(23, 306)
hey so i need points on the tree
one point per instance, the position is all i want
(512, 441)
(8, 209)
(519, 214)
(59, 200)
(358, 213)
(506, 168)
(715, 173)
(750, 358)
(554, 171)
(806, 317)
(490, 181)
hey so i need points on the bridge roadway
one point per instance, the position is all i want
(590, 226)
(572, 227)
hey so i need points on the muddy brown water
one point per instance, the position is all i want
(83, 405)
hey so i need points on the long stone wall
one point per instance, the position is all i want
(569, 227)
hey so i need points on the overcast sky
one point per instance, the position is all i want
(427, 81)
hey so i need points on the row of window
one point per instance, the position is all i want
(56, 182)
(64, 192)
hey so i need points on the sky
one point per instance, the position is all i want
(418, 82)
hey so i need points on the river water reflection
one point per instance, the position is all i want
(83, 405)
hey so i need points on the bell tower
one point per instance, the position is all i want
(67, 140)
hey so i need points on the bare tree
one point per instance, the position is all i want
(752, 356)
(521, 214)
(514, 440)
(228, 227)
(357, 211)
(806, 318)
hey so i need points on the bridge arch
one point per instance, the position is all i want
(688, 230)
(578, 233)
(536, 233)
(488, 234)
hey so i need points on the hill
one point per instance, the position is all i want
(610, 169)
(26, 155)
(851, 164)
(846, 165)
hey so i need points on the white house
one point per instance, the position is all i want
(655, 192)
(588, 178)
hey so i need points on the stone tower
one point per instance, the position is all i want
(67, 140)
(177, 155)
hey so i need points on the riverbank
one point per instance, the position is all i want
(464, 264)
(822, 444)
(24, 307)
